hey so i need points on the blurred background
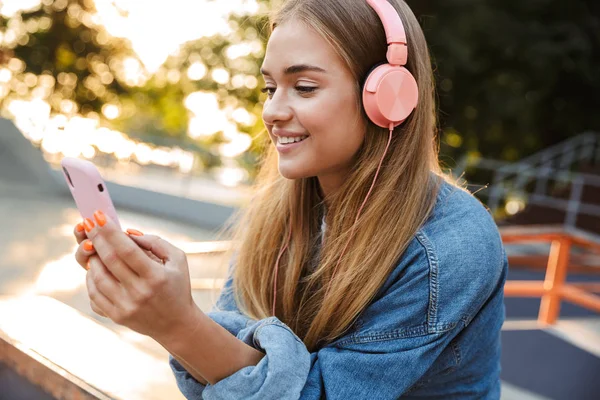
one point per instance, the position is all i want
(164, 97)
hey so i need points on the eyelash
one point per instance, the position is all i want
(301, 89)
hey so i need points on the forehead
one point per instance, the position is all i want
(293, 42)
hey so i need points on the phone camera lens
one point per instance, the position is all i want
(68, 176)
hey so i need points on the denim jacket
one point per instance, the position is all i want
(432, 331)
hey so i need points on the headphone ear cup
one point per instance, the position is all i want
(373, 68)
(390, 94)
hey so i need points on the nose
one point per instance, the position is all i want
(277, 109)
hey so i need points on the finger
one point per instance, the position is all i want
(143, 243)
(135, 288)
(97, 309)
(81, 236)
(156, 245)
(113, 263)
(112, 245)
(103, 280)
(84, 251)
(154, 257)
(99, 303)
(79, 232)
(135, 232)
(125, 260)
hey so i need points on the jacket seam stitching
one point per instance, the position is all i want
(433, 279)
(456, 350)
(414, 331)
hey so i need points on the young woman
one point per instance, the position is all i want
(359, 270)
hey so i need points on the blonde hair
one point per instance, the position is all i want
(402, 199)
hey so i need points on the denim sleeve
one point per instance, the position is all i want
(286, 361)
(281, 374)
(375, 369)
(350, 368)
(226, 313)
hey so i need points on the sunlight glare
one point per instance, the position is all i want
(111, 111)
(62, 275)
(207, 118)
(134, 72)
(196, 71)
(84, 347)
(9, 8)
(220, 75)
(230, 175)
(157, 29)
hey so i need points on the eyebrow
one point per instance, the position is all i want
(294, 69)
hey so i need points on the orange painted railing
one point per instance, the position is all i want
(554, 288)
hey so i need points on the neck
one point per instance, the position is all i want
(328, 185)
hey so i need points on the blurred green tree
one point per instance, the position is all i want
(512, 77)
(58, 53)
(70, 57)
(238, 57)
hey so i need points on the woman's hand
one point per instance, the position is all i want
(138, 281)
(85, 249)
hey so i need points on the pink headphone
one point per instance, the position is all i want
(390, 94)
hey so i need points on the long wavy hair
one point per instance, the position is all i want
(401, 201)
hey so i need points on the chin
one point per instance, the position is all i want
(292, 172)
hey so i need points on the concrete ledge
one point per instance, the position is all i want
(41, 373)
(71, 356)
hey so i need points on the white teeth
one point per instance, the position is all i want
(284, 140)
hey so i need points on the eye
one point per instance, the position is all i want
(306, 89)
(270, 91)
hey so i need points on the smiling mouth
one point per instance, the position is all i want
(287, 141)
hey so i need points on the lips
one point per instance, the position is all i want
(284, 133)
(284, 148)
(292, 139)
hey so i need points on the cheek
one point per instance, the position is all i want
(337, 127)
(333, 116)
(337, 131)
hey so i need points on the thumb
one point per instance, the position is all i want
(159, 247)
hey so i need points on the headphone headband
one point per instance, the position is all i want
(394, 30)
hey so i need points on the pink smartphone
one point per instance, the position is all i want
(88, 188)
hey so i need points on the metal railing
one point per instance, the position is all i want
(555, 288)
(529, 180)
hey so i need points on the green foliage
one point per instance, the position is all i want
(512, 76)
(61, 41)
